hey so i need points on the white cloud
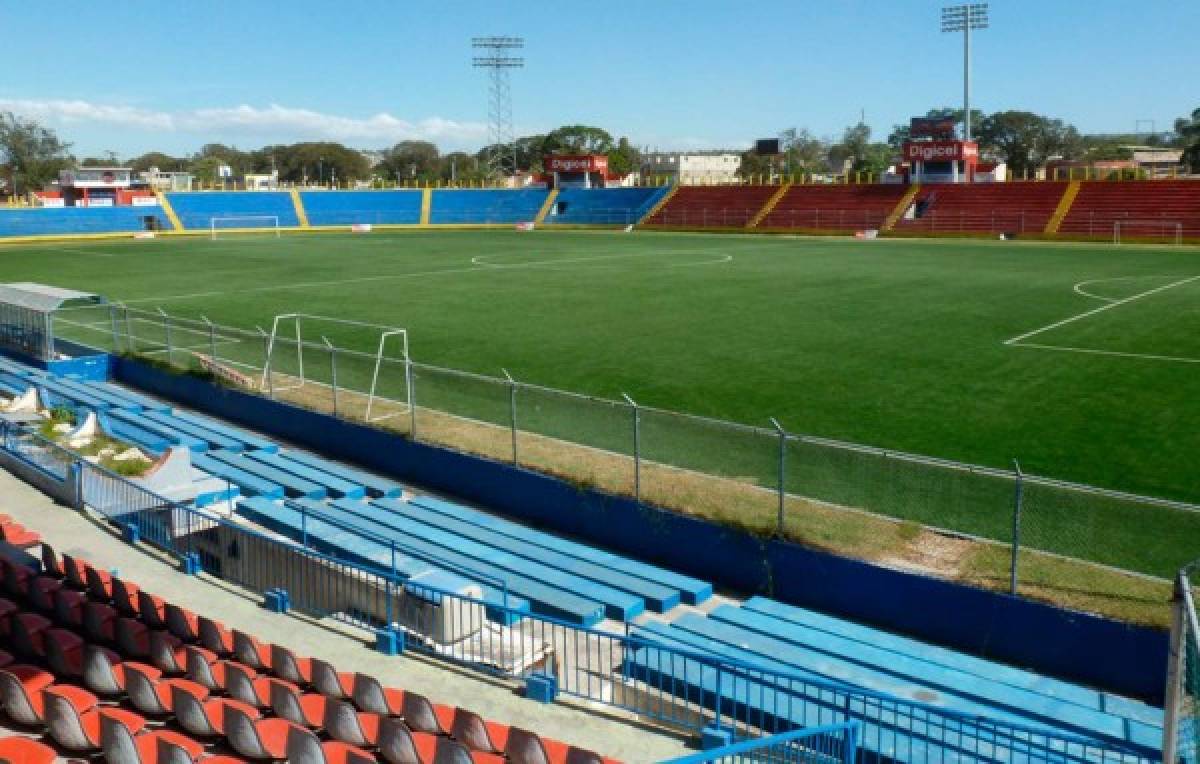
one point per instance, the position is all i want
(272, 123)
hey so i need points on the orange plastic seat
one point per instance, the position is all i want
(23, 750)
(261, 739)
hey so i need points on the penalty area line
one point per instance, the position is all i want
(1115, 353)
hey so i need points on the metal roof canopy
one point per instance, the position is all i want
(42, 298)
(27, 316)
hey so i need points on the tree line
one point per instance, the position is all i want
(1022, 139)
(32, 155)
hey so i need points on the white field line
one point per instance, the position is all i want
(1117, 353)
(475, 267)
(72, 250)
(1101, 309)
(1079, 288)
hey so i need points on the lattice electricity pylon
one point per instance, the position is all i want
(497, 58)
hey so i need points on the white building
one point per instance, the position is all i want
(693, 168)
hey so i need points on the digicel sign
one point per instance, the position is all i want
(584, 163)
(940, 151)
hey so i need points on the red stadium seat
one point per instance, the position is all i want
(370, 695)
(205, 719)
(307, 709)
(79, 730)
(257, 739)
(22, 750)
(21, 691)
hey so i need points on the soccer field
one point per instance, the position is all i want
(1081, 361)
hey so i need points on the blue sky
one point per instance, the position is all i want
(135, 75)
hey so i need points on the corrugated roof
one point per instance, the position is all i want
(41, 297)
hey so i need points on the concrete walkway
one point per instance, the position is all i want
(603, 730)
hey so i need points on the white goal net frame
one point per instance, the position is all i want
(214, 228)
(388, 337)
(1157, 229)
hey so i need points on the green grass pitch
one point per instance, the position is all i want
(903, 344)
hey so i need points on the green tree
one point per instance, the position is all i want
(856, 153)
(1026, 140)
(578, 139)
(409, 161)
(32, 155)
(1188, 129)
(624, 158)
(162, 161)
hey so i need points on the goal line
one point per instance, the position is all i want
(243, 223)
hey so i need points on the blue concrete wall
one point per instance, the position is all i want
(1118, 657)
(349, 207)
(197, 208)
(40, 221)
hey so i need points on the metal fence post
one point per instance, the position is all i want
(1183, 632)
(332, 372)
(112, 320)
(128, 331)
(212, 337)
(412, 398)
(1018, 502)
(637, 449)
(782, 472)
(167, 330)
(512, 412)
(267, 347)
(391, 618)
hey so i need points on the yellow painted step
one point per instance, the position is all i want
(1064, 206)
(426, 204)
(298, 204)
(901, 207)
(169, 211)
(546, 206)
(661, 203)
(761, 215)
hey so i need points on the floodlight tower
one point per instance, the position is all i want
(496, 56)
(964, 18)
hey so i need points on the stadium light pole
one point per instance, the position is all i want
(964, 18)
(496, 55)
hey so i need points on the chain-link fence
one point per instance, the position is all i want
(1073, 544)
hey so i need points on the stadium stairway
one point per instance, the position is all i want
(774, 636)
(833, 207)
(197, 210)
(1147, 208)
(984, 208)
(603, 206)
(712, 206)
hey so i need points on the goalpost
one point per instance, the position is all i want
(381, 376)
(1170, 230)
(244, 223)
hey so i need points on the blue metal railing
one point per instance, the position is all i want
(673, 685)
(831, 744)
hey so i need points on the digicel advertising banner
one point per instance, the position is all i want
(586, 163)
(940, 151)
